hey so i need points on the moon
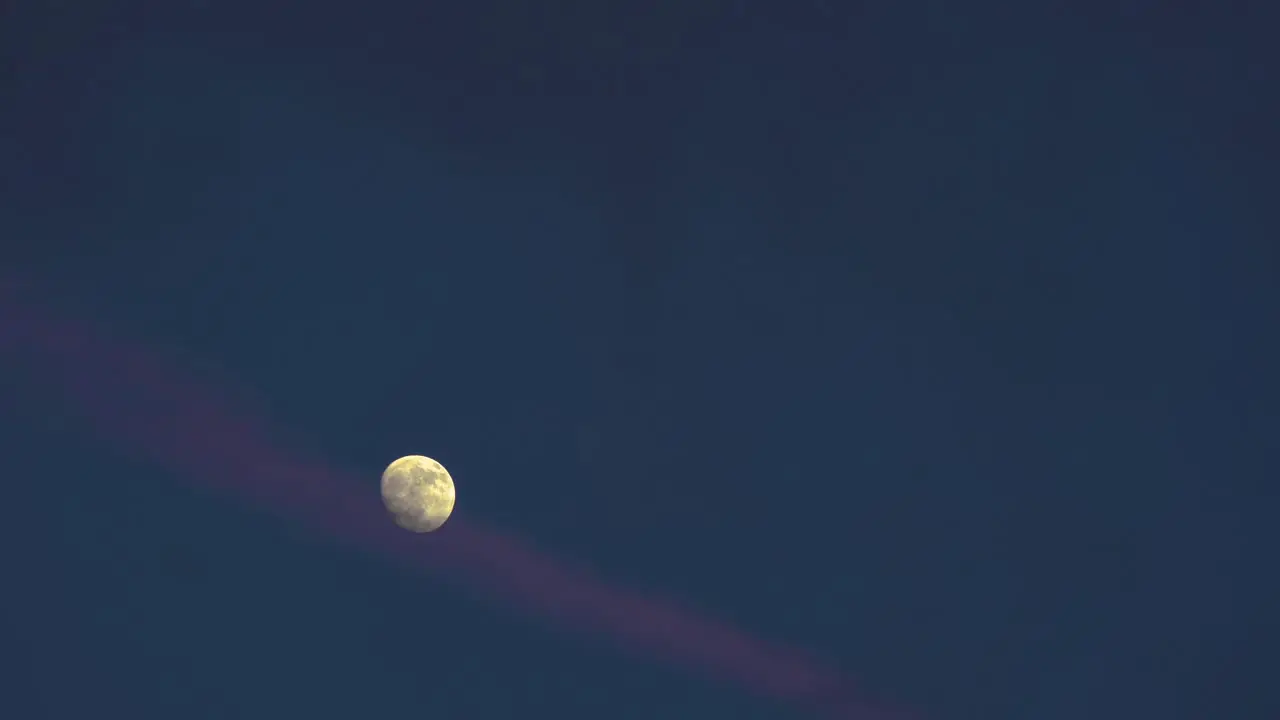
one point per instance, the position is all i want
(418, 492)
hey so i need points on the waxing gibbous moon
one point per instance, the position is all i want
(418, 492)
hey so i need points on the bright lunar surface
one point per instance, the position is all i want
(418, 492)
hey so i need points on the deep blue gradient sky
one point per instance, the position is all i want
(935, 341)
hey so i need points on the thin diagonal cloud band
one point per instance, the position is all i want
(145, 403)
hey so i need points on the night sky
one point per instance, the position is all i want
(812, 359)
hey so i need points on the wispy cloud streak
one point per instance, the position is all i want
(147, 404)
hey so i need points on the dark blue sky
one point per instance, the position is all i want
(933, 341)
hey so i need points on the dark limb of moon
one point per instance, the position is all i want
(418, 492)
